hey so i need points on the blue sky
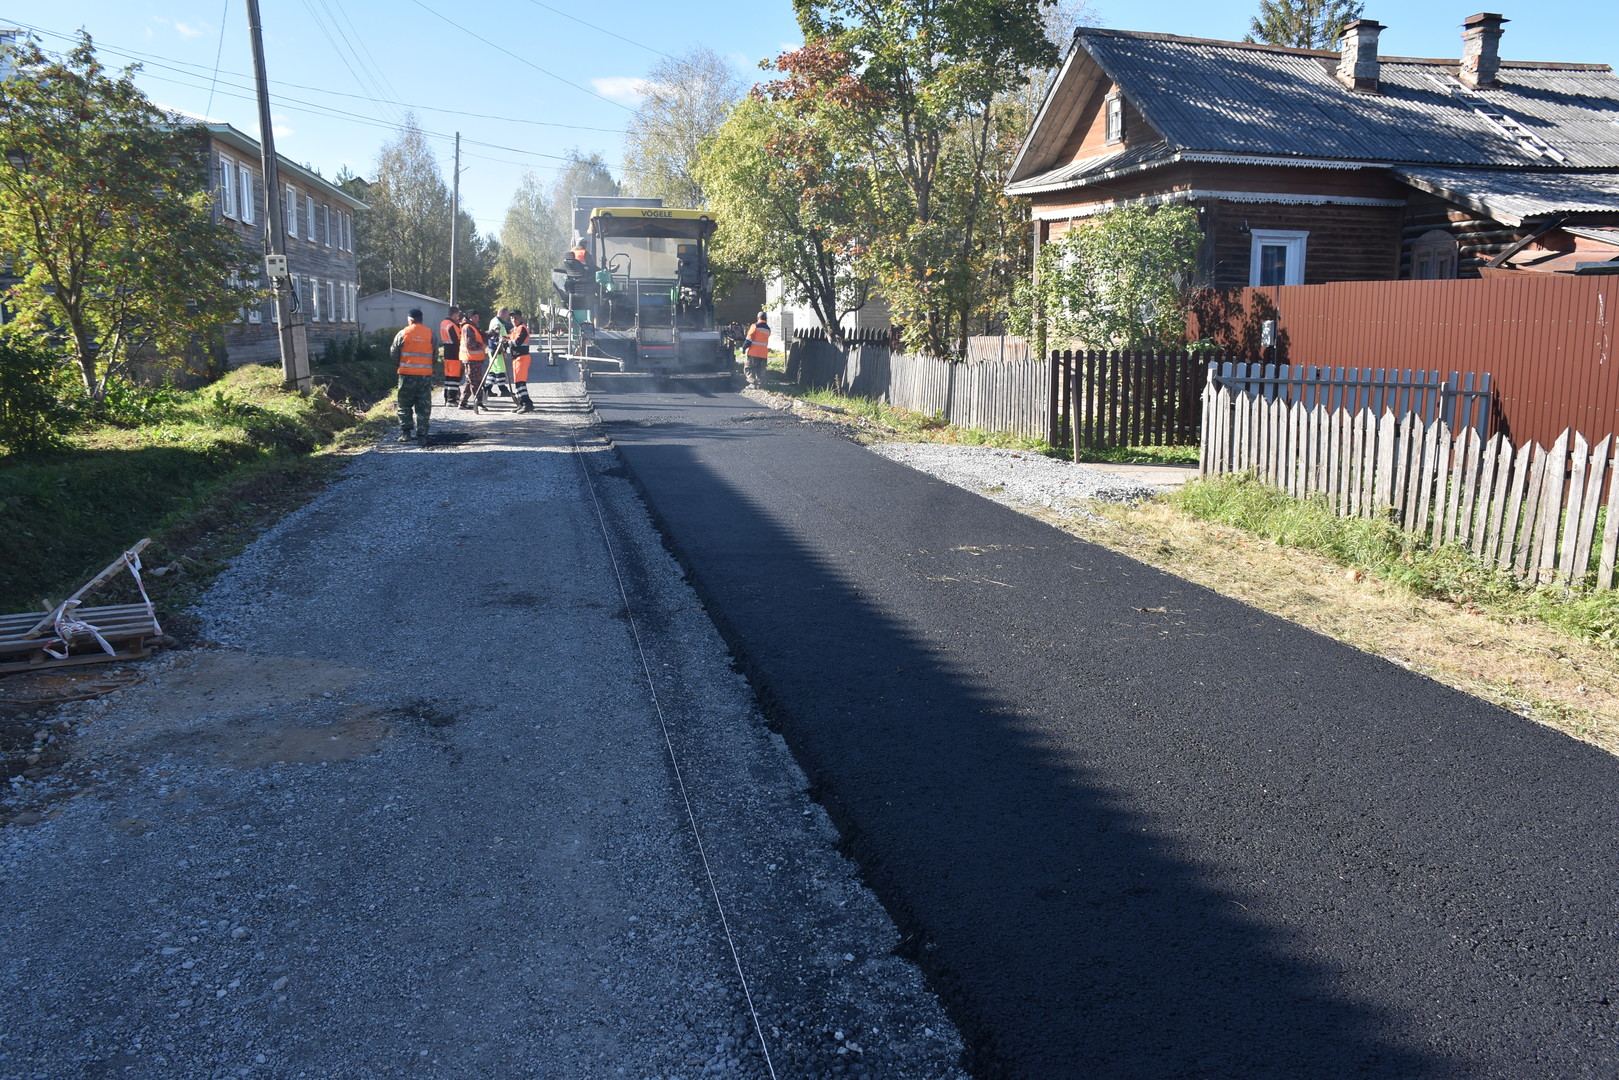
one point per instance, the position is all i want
(539, 81)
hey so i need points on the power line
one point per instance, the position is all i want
(224, 16)
(367, 82)
(519, 59)
(168, 63)
(601, 30)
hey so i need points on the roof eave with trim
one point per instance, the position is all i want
(227, 134)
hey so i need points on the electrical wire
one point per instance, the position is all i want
(520, 59)
(224, 15)
(150, 60)
(373, 89)
(600, 29)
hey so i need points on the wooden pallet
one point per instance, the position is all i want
(126, 628)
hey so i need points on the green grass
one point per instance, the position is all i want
(915, 426)
(1379, 547)
(1140, 455)
(175, 465)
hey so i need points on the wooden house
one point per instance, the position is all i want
(319, 228)
(1308, 166)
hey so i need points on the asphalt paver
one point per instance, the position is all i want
(1129, 827)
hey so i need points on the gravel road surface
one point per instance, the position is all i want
(1130, 828)
(417, 814)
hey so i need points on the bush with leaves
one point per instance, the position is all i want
(31, 414)
(1121, 280)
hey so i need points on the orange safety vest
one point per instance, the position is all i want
(520, 358)
(449, 333)
(473, 349)
(759, 341)
(416, 350)
(580, 255)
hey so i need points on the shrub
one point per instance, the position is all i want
(32, 416)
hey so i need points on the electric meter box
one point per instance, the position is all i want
(275, 265)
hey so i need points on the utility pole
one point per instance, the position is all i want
(294, 342)
(455, 214)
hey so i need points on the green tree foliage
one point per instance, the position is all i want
(1121, 280)
(915, 88)
(582, 175)
(1303, 24)
(107, 216)
(405, 236)
(31, 417)
(685, 101)
(529, 247)
(789, 206)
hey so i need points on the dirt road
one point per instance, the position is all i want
(468, 788)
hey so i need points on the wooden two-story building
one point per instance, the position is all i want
(1308, 166)
(319, 227)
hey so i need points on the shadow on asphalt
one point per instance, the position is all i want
(1063, 931)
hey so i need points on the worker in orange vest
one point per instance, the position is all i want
(474, 362)
(518, 347)
(758, 351)
(413, 350)
(449, 342)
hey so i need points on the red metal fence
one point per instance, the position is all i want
(1548, 340)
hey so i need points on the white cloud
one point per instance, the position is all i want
(185, 30)
(623, 89)
(279, 127)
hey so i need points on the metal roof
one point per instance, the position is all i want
(1516, 195)
(1234, 97)
(1099, 167)
(1271, 105)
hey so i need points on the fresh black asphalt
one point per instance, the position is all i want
(1130, 827)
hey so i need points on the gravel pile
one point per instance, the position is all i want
(413, 814)
(1017, 477)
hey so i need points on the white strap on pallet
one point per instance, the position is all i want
(67, 627)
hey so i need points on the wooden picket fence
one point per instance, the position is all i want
(1528, 509)
(992, 395)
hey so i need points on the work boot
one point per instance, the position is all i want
(407, 435)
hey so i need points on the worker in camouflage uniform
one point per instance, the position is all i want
(412, 350)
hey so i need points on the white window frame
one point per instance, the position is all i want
(244, 186)
(1113, 118)
(292, 211)
(1293, 240)
(314, 300)
(227, 187)
(326, 224)
(331, 302)
(309, 209)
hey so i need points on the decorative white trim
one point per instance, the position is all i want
(1291, 162)
(1057, 213)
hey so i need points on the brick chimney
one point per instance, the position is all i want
(1481, 50)
(1357, 56)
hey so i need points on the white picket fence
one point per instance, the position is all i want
(1529, 509)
